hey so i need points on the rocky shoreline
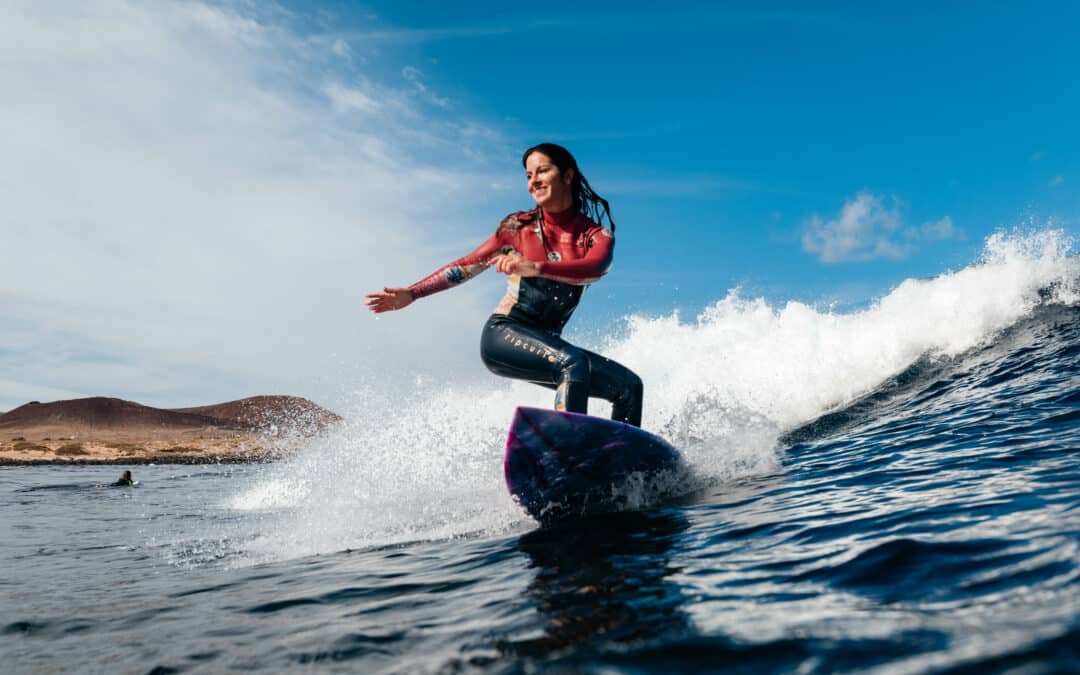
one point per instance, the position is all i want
(138, 461)
(146, 449)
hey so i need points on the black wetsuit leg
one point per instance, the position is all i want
(517, 350)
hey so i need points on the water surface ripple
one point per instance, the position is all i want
(931, 526)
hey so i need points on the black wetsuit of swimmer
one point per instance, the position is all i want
(523, 338)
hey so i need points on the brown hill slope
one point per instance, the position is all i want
(268, 413)
(100, 412)
(114, 431)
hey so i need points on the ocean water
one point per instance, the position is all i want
(894, 489)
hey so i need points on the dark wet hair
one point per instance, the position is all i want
(585, 198)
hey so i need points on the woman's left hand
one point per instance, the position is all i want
(515, 264)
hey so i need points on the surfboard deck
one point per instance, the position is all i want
(561, 465)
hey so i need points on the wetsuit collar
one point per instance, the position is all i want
(564, 220)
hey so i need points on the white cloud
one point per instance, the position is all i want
(863, 230)
(1057, 181)
(937, 231)
(866, 229)
(188, 216)
(344, 99)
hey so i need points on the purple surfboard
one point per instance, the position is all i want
(562, 465)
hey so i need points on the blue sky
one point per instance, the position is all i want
(722, 131)
(199, 192)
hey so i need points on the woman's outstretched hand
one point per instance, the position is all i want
(515, 264)
(389, 299)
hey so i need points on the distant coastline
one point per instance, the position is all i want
(101, 430)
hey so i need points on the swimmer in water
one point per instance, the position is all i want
(125, 480)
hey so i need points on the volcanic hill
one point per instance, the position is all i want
(258, 413)
(111, 429)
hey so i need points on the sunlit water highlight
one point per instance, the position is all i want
(896, 488)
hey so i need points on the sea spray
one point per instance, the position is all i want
(743, 371)
(426, 466)
(724, 388)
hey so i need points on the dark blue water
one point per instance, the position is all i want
(932, 525)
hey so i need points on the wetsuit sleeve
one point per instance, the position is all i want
(585, 270)
(459, 271)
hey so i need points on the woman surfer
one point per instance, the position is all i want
(551, 254)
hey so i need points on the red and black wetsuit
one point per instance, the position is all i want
(522, 338)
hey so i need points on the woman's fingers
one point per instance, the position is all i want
(380, 302)
(504, 264)
(389, 299)
(513, 264)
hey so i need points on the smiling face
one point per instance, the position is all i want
(547, 185)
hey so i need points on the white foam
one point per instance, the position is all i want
(425, 467)
(743, 371)
(723, 387)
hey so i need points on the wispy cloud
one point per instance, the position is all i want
(936, 231)
(416, 77)
(1057, 181)
(346, 98)
(626, 19)
(412, 35)
(705, 187)
(867, 228)
(514, 22)
(196, 196)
